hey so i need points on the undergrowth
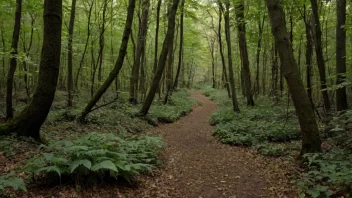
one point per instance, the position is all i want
(97, 155)
(271, 129)
(258, 126)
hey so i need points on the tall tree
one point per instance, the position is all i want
(310, 135)
(162, 59)
(241, 26)
(13, 60)
(221, 49)
(229, 53)
(319, 54)
(29, 121)
(309, 53)
(180, 52)
(341, 96)
(118, 64)
(142, 34)
(69, 54)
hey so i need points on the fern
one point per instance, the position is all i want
(98, 153)
(13, 182)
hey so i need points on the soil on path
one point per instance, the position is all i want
(198, 166)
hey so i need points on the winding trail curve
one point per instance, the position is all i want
(198, 166)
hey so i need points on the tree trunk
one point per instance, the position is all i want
(243, 51)
(319, 55)
(180, 53)
(162, 59)
(13, 60)
(309, 54)
(142, 34)
(28, 123)
(229, 52)
(341, 96)
(221, 49)
(310, 135)
(156, 45)
(118, 64)
(69, 55)
(259, 48)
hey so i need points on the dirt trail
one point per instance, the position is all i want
(198, 166)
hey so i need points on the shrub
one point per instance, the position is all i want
(102, 154)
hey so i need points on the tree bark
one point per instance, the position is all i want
(13, 60)
(28, 123)
(69, 55)
(341, 96)
(118, 64)
(162, 59)
(142, 34)
(180, 53)
(309, 54)
(241, 26)
(311, 142)
(319, 55)
(229, 54)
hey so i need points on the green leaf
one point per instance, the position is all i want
(86, 163)
(50, 169)
(107, 164)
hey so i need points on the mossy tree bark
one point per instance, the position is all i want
(118, 64)
(29, 121)
(162, 59)
(180, 52)
(311, 142)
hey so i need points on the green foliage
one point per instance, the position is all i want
(329, 174)
(13, 182)
(254, 126)
(98, 154)
(180, 104)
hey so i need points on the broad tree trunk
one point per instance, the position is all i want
(169, 39)
(118, 64)
(243, 51)
(319, 55)
(180, 53)
(229, 54)
(142, 34)
(311, 142)
(341, 96)
(28, 123)
(13, 60)
(69, 55)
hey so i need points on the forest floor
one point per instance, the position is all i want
(196, 165)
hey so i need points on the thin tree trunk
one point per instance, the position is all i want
(310, 134)
(118, 64)
(319, 55)
(69, 55)
(229, 55)
(142, 34)
(341, 96)
(157, 36)
(259, 48)
(180, 53)
(309, 54)
(13, 60)
(162, 59)
(243, 51)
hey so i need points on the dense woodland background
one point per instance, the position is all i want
(94, 54)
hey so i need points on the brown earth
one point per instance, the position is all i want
(196, 165)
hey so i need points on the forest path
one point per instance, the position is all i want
(198, 166)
